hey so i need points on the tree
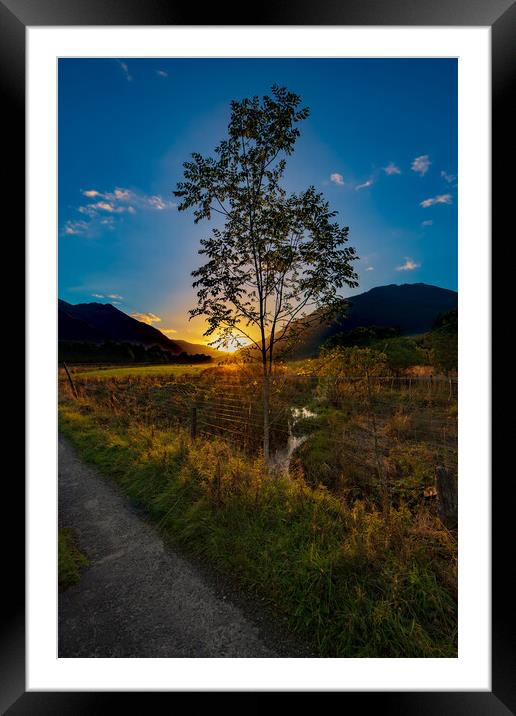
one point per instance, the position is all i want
(276, 257)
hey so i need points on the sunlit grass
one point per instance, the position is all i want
(350, 580)
(146, 370)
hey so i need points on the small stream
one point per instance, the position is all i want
(280, 461)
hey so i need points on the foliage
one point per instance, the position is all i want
(448, 321)
(361, 336)
(277, 256)
(402, 353)
(114, 352)
(441, 342)
(353, 362)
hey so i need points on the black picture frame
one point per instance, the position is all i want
(500, 16)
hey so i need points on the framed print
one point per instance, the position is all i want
(259, 254)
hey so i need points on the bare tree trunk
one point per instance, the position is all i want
(266, 424)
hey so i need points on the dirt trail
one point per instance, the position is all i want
(138, 598)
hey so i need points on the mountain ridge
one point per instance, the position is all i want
(410, 307)
(99, 323)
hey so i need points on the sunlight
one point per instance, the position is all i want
(230, 345)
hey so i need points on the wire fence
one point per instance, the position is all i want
(323, 426)
(358, 435)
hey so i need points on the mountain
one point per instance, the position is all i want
(99, 323)
(411, 307)
(192, 348)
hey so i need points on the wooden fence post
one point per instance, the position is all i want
(447, 494)
(193, 422)
(74, 389)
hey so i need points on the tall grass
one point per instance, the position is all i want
(350, 580)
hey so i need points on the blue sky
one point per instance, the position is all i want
(380, 142)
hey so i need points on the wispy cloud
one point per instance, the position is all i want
(108, 295)
(74, 228)
(391, 168)
(439, 199)
(365, 185)
(428, 222)
(120, 200)
(337, 178)
(148, 318)
(157, 202)
(125, 69)
(448, 177)
(409, 265)
(104, 206)
(162, 73)
(421, 164)
(168, 331)
(370, 268)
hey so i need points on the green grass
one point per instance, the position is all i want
(71, 561)
(349, 580)
(145, 370)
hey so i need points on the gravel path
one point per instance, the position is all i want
(138, 597)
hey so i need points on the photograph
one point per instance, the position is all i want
(257, 367)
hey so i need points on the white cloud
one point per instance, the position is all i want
(409, 265)
(73, 228)
(89, 210)
(104, 206)
(421, 164)
(108, 204)
(337, 178)
(370, 268)
(156, 202)
(92, 210)
(448, 177)
(125, 70)
(108, 295)
(122, 194)
(162, 73)
(391, 168)
(428, 222)
(148, 318)
(365, 185)
(439, 199)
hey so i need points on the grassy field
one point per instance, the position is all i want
(350, 577)
(145, 370)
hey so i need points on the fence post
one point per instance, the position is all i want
(74, 389)
(218, 483)
(193, 422)
(447, 495)
(381, 474)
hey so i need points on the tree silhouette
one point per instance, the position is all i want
(278, 260)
